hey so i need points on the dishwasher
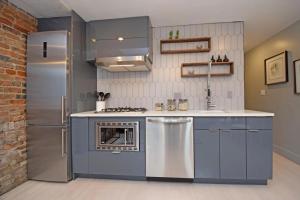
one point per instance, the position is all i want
(169, 147)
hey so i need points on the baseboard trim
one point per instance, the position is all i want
(287, 153)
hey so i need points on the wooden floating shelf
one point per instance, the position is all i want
(203, 64)
(186, 40)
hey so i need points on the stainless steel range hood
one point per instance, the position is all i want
(121, 45)
(125, 63)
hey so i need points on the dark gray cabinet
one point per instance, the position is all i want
(226, 149)
(122, 163)
(207, 154)
(119, 164)
(102, 37)
(233, 154)
(233, 148)
(259, 154)
(80, 152)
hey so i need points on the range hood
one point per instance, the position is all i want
(125, 63)
(121, 45)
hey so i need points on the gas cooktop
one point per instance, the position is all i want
(124, 109)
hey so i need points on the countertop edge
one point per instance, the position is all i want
(194, 113)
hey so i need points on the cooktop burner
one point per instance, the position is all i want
(124, 109)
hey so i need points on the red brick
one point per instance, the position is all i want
(17, 101)
(10, 71)
(21, 73)
(12, 90)
(5, 21)
(4, 46)
(14, 27)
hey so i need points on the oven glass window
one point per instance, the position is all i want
(117, 136)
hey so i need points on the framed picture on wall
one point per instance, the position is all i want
(276, 69)
(297, 76)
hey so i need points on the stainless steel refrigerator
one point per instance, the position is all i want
(48, 93)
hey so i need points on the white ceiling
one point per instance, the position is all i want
(262, 18)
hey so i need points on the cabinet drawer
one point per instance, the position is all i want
(262, 123)
(122, 164)
(201, 123)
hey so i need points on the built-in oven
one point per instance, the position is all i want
(117, 136)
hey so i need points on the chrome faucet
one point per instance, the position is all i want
(209, 104)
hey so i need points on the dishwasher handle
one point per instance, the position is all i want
(170, 121)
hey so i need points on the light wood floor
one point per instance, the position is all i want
(284, 186)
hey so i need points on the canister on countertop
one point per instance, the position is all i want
(183, 105)
(171, 104)
(159, 106)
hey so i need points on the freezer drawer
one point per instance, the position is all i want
(169, 147)
(48, 158)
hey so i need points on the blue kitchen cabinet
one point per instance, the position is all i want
(101, 39)
(80, 127)
(123, 163)
(233, 154)
(259, 148)
(233, 149)
(113, 163)
(207, 154)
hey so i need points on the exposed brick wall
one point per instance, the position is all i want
(14, 27)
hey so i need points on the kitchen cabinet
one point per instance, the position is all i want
(259, 148)
(233, 148)
(115, 163)
(102, 37)
(207, 154)
(80, 127)
(233, 154)
(220, 147)
(226, 150)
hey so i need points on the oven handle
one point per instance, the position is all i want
(170, 121)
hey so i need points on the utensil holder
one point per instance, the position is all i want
(100, 106)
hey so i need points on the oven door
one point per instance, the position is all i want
(117, 136)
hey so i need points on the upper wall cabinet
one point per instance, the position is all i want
(118, 37)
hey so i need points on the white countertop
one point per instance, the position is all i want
(190, 113)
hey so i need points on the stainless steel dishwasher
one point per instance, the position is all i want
(169, 147)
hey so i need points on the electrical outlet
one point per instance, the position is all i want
(262, 92)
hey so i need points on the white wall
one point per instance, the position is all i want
(144, 89)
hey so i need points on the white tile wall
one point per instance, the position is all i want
(144, 89)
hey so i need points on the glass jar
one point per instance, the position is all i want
(183, 105)
(159, 106)
(171, 104)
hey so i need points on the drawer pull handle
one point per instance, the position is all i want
(116, 152)
(253, 131)
(226, 131)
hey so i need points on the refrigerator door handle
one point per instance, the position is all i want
(63, 112)
(63, 142)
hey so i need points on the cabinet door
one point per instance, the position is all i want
(207, 154)
(80, 145)
(233, 154)
(259, 154)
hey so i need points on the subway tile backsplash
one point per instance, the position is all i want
(144, 89)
